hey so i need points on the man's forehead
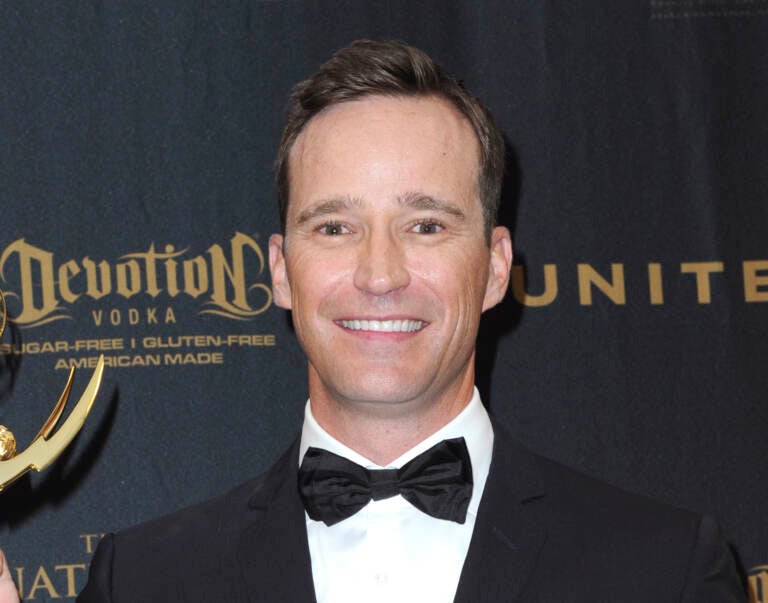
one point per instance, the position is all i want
(384, 110)
(403, 133)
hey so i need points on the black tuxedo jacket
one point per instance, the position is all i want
(544, 534)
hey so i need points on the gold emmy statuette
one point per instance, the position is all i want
(45, 446)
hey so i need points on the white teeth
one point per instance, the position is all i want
(383, 326)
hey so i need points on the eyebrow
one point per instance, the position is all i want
(412, 200)
(421, 201)
(329, 206)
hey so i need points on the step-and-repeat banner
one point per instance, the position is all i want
(136, 199)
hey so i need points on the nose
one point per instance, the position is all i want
(381, 266)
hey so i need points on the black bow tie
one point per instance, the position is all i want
(438, 482)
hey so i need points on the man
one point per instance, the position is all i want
(389, 177)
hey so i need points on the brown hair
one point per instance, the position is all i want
(390, 68)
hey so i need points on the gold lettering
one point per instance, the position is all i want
(525, 298)
(613, 290)
(149, 264)
(753, 281)
(99, 345)
(172, 359)
(66, 271)
(655, 285)
(29, 258)
(702, 270)
(20, 580)
(42, 581)
(195, 276)
(757, 584)
(92, 278)
(45, 287)
(150, 258)
(171, 280)
(235, 274)
(70, 569)
(125, 288)
(198, 358)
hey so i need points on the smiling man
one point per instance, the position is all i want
(386, 266)
(400, 487)
(387, 263)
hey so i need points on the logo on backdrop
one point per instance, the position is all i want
(619, 284)
(127, 299)
(47, 287)
(757, 579)
(60, 580)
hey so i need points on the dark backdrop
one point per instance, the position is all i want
(136, 143)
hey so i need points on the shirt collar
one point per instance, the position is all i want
(472, 423)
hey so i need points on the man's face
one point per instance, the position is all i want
(385, 264)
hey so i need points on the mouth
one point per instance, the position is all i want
(384, 326)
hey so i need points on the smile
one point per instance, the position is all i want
(384, 326)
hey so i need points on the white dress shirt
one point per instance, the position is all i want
(389, 550)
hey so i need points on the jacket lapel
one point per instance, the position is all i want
(273, 547)
(509, 530)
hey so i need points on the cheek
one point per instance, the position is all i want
(457, 278)
(314, 278)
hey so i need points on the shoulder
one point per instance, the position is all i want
(216, 516)
(619, 538)
(573, 496)
(194, 548)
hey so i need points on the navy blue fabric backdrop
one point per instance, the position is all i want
(136, 145)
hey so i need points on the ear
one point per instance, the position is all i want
(500, 266)
(281, 288)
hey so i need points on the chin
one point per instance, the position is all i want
(390, 390)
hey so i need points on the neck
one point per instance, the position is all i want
(382, 432)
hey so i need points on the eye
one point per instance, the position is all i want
(427, 227)
(333, 229)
